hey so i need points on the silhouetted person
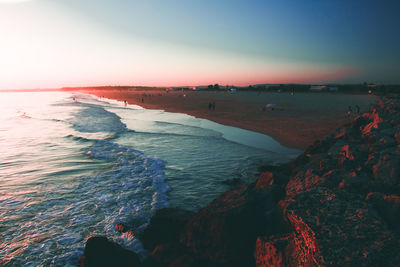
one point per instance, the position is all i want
(349, 112)
(142, 100)
(358, 109)
(213, 105)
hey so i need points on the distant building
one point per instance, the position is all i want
(318, 88)
(333, 89)
(233, 90)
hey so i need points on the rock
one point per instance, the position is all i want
(388, 132)
(99, 251)
(387, 141)
(337, 229)
(120, 227)
(397, 137)
(164, 227)
(388, 206)
(324, 145)
(337, 148)
(185, 261)
(359, 122)
(384, 126)
(282, 171)
(224, 233)
(355, 182)
(384, 142)
(387, 170)
(265, 180)
(303, 181)
(170, 254)
(271, 251)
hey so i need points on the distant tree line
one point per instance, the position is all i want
(213, 87)
(343, 88)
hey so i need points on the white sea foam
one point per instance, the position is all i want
(56, 219)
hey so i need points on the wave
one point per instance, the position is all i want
(94, 119)
(69, 213)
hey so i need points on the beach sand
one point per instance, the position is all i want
(297, 120)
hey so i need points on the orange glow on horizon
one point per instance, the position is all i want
(45, 47)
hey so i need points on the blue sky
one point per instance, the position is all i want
(52, 43)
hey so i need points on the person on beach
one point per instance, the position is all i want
(358, 109)
(349, 112)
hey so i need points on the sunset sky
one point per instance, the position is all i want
(56, 43)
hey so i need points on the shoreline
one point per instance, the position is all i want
(296, 122)
(234, 134)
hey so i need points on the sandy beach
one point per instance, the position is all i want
(296, 121)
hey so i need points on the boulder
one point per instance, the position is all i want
(265, 180)
(224, 233)
(99, 251)
(164, 227)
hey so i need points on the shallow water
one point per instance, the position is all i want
(72, 166)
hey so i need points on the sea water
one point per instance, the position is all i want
(73, 165)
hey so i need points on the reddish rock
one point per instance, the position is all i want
(303, 181)
(345, 152)
(270, 251)
(265, 180)
(355, 182)
(120, 227)
(123, 229)
(337, 229)
(224, 233)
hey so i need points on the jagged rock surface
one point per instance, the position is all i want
(342, 198)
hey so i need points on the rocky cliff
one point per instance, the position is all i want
(336, 204)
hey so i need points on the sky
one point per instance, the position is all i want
(59, 43)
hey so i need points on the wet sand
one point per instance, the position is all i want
(296, 121)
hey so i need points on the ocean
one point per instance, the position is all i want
(73, 165)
